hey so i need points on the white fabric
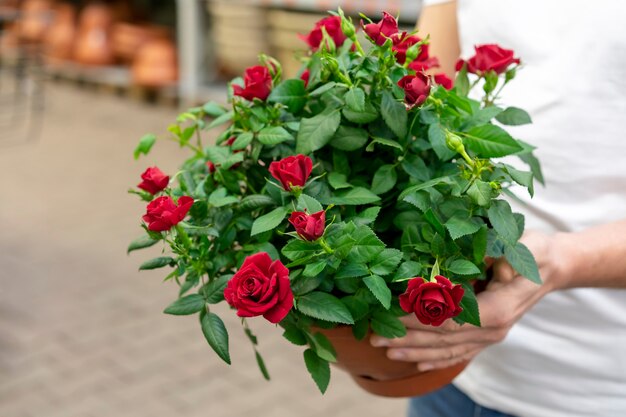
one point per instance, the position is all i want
(567, 356)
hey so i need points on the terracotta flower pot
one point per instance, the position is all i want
(128, 38)
(374, 372)
(156, 64)
(59, 40)
(35, 20)
(93, 46)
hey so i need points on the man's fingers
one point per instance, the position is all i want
(430, 339)
(428, 366)
(411, 322)
(428, 355)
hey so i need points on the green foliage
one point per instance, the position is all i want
(189, 304)
(216, 334)
(318, 368)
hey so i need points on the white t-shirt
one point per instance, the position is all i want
(567, 356)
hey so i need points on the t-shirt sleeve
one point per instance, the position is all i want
(433, 2)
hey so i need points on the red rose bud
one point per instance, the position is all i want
(443, 80)
(332, 25)
(305, 77)
(402, 42)
(257, 84)
(211, 167)
(292, 171)
(260, 287)
(379, 32)
(416, 88)
(162, 213)
(489, 58)
(432, 302)
(424, 64)
(308, 226)
(154, 180)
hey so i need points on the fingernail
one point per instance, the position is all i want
(378, 341)
(425, 367)
(395, 354)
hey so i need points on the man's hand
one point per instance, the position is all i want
(507, 297)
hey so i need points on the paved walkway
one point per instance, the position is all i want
(82, 333)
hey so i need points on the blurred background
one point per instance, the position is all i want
(82, 333)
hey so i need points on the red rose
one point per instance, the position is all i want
(416, 88)
(443, 80)
(489, 58)
(424, 64)
(292, 171)
(257, 84)
(305, 77)
(332, 24)
(432, 302)
(379, 32)
(402, 42)
(162, 213)
(211, 167)
(308, 226)
(154, 180)
(260, 287)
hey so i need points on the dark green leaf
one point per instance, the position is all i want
(394, 114)
(216, 334)
(490, 141)
(144, 145)
(463, 267)
(317, 131)
(338, 181)
(415, 167)
(383, 141)
(354, 196)
(214, 290)
(324, 306)
(296, 249)
(469, 304)
(349, 138)
(459, 227)
(522, 178)
(314, 269)
(407, 270)
(159, 262)
(461, 84)
(291, 93)
(367, 245)
(295, 336)
(480, 192)
(324, 348)
(213, 109)
(256, 201)
(242, 141)
(141, 243)
(318, 368)
(189, 304)
(350, 270)
(273, 135)
(324, 88)
(369, 115)
(386, 261)
(367, 216)
(219, 198)
(361, 329)
(503, 221)
(306, 202)
(357, 306)
(437, 138)
(523, 261)
(387, 325)
(261, 364)
(302, 284)
(355, 99)
(221, 119)
(513, 116)
(379, 288)
(268, 221)
(384, 179)
(425, 185)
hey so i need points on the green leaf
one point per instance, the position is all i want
(296, 249)
(351, 270)
(144, 145)
(314, 269)
(463, 267)
(384, 179)
(503, 221)
(523, 178)
(315, 132)
(268, 221)
(216, 334)
(159, 262)
(242, 141)
(354, 196)
(295, 336)
(355, 99)
(141, 243)
(323, 306)
(306, 202)
(189, 304)
(394, 114)
(431, 217)
(291, 93)
(349, 138)
(338, 181)
(385, 142)
(324, 88)
(273, 135)
(415, 167)
(387, 325)
(534, 165)
(427, 184)
(302, 284)
(379, 288)
(261, 363)
(514, 116)
(437, 138)
(324, 348)
(369, 115)
(318, 368)
(489, 141)
(360, 329)
(221, 119)
(218, 198)
(255, 201)
(217, 154)
(213, 109)
(386, 261)
(469, 304)
(480, 192)
(367, 216)
(523, 261)
(459, 227)
(461, 84)
(357, 306)
(367, 245)
(407, 270)
(214, 291)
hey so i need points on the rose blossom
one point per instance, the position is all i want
(260, 287)
(257, 84)
(162, 213)
(305, 77)
(432, 302)
(332, 25)
(154, 180)
(489, 58)
(416, 88)
(402, 42)
(308, 226)
(424, 64)
(292, 171)
(379, 32)
(443, 80)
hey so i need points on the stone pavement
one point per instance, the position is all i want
(82, 333)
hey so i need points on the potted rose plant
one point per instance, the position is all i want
(335, 202)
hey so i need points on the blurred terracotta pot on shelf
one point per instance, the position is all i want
(370, 368)
(59, 40)
(156, 64)
(128, 38)
(36, 16)
(93, 44)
